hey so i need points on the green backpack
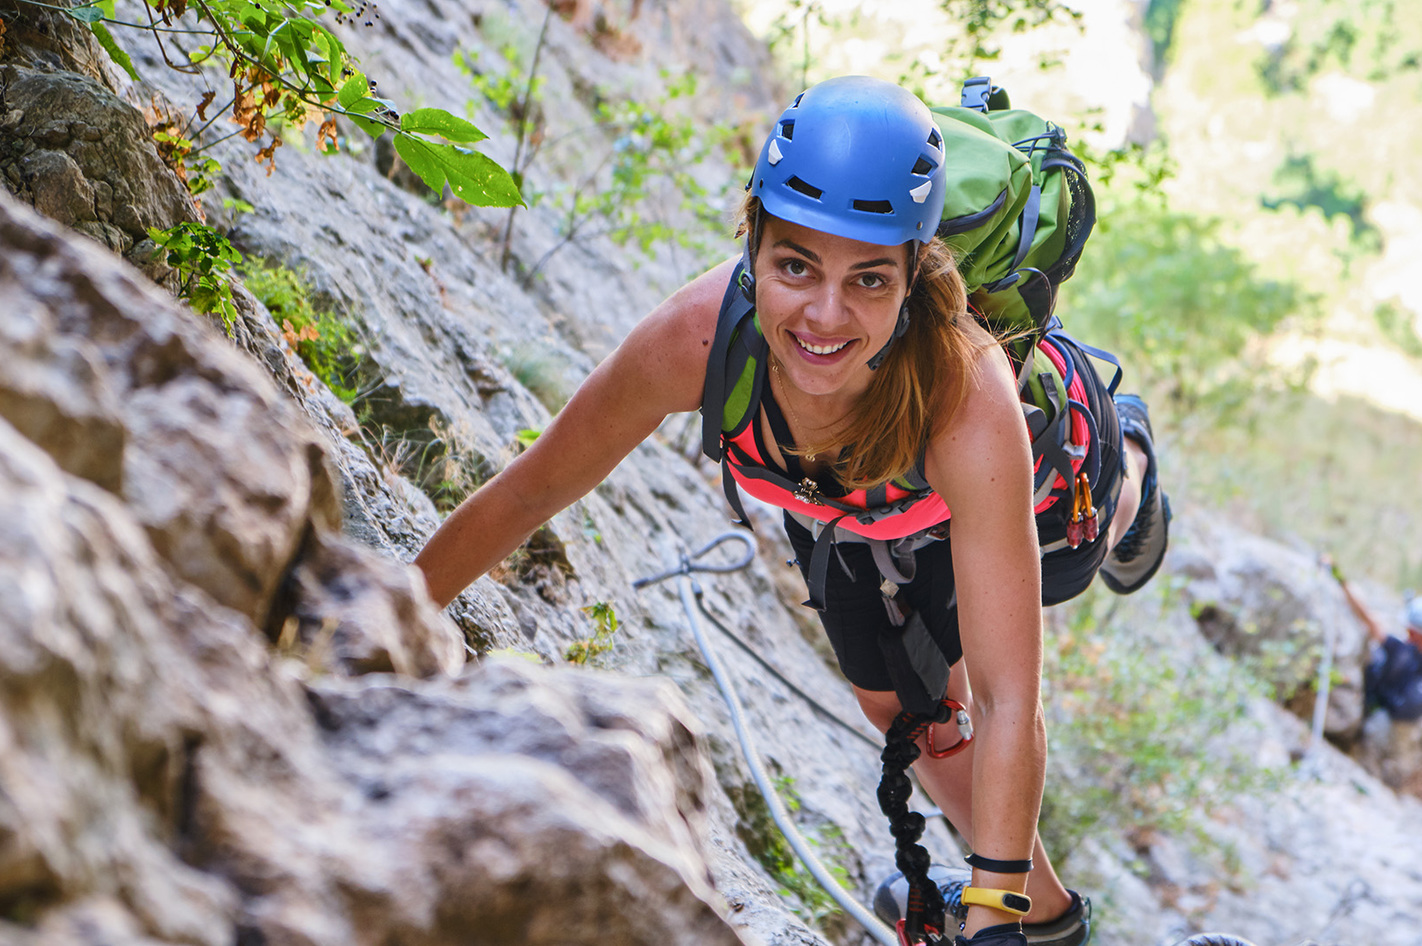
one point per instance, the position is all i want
(1019, 208)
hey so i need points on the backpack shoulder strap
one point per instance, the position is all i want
(735, 307)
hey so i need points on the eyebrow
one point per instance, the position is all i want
(814, 257)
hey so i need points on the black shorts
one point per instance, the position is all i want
(854, 614)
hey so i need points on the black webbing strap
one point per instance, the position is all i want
(925, 907)
(1102, 354)
(734, 307)
(1028, 226)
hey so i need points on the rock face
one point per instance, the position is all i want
(168, 778)
(1279, 610)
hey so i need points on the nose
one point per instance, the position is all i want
(827, 307)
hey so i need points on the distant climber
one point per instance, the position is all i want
(1392, 679)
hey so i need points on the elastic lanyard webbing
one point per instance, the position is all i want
(925, 904)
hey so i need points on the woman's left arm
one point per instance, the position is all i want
(980, 462)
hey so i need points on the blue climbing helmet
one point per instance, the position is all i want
(857, 157)
(1414, 612)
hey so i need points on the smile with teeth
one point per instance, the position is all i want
(818, 349)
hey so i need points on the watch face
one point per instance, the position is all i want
(1016, 902)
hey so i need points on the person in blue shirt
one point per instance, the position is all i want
(1392, 679)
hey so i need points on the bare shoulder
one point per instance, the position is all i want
(671, 344)
(985, 437)
(991, 396)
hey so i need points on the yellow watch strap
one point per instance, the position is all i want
(1006, 900)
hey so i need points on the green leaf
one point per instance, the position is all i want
(86, 14)
(353, 90)
(473, 177)
(436, 121)
(366, 106)
(106, 40)
(372, 128)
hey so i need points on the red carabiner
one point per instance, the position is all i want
(902, 929)
(965, 732)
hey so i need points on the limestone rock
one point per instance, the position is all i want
(1277, 609)
(352, 611)
(166, 778)
(219, 468)
(85, 158)
(533, 807)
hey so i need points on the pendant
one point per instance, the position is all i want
(808, 492)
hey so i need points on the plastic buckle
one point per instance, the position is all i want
(976, 92)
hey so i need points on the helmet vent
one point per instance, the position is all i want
(874, 206)
(935, 140)
(922, 166)
(787, 131)
(809, 190)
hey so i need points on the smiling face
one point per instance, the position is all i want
(827, 304)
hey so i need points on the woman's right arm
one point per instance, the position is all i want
(659, 369)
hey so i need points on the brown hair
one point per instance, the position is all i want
(922, 381)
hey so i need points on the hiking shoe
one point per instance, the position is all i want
(1138, 555)
(1072, 928)
(891, 899)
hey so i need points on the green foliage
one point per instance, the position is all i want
(654, 150)
(289, 69)
(1371, 39)
(1397, 325)
(762, 837)
(1301, 184)
(789, 35)
(198, 175)
(1164, 292)
(202, 258)
(1334, 473)
(1137, 740)
(435, 457)
(326, 342)
(541, 372)
(606, 624)
(984, 23)
(636, 158)
(1160, 19)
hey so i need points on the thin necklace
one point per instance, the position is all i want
(784, 390)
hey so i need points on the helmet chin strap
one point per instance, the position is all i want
(747, 277)
(901, 326)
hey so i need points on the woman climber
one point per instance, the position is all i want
(877, 390)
